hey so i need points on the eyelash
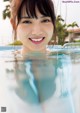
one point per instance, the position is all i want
(26, 22)
(43, 21)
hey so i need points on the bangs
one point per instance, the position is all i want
(41, 5)
(45, 7)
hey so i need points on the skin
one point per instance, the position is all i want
(34, 29)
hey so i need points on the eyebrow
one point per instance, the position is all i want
(27, 17)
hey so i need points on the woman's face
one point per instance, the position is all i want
(35, 33)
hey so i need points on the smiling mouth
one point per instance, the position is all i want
(37, 40)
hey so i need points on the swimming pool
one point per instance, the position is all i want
(40, 84)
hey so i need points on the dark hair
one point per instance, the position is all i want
(45, 7)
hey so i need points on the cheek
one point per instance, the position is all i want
(21, 32)
(50, 30)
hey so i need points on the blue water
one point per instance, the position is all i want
(43, 84)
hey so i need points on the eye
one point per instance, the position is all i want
(27, 22)
(46, 20)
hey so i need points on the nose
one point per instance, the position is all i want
(37, 29)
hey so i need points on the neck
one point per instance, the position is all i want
(25, 51)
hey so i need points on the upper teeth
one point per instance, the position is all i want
(37, 39)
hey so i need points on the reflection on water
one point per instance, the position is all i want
(41, 84)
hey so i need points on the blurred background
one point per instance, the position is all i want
(68, 15)
(5, 27)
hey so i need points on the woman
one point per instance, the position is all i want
(40, 87)
(34, 24)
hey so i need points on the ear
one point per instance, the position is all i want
(13, 23)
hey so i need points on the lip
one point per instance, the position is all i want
(37, 40)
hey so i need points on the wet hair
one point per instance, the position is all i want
(45, 7)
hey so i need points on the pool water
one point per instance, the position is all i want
(40, 83)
